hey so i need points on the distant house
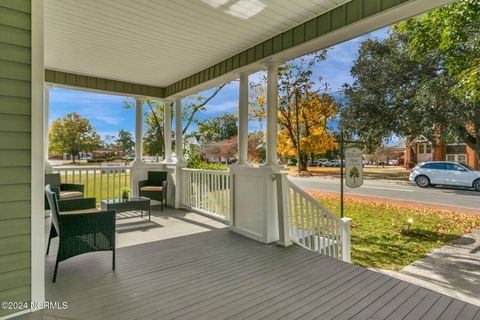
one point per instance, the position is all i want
(420, 149)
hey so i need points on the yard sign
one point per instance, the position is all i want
(353, 167)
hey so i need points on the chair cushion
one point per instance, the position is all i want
(64, 195)
(151, 188)
(93, 210)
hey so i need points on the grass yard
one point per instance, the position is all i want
(379, 235)
(97, 185)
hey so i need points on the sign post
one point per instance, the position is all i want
(352, 160)
(353, 167)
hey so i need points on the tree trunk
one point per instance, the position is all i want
(302, 162)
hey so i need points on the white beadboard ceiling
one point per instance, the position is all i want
(158, 42)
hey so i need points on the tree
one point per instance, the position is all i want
(256, 147)
(197, 103)
(381, 101)
(218, 128)
(153, 143)
(452, 33)
(354, 173)
(381, 154)
(394, 94)
(304, 110)
(125, 141)
(72, 134)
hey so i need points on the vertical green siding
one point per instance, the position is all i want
(122, 87)
(15, 158)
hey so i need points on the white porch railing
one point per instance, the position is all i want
(207, 191)
(101, 182)
(307, 223)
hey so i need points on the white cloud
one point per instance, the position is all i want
(224, 106)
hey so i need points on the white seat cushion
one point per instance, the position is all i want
(70, 195)
(151, 188)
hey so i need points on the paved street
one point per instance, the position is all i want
(399, 191)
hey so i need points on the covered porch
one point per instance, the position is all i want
(230, 244)
(185, 265)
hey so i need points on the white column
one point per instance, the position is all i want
(178, 130)
(138, 129)
(272, 113)
(46, 96)
(168, 130)
(243, 119)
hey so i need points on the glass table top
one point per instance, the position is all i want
(130, 200)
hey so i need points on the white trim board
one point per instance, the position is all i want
(37, 156)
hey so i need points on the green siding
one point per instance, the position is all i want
(15, 153)
(337, 18)
(121, 87)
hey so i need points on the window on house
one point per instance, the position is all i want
(429, 148)
(421, 148)
(462, 159)
(450, 157)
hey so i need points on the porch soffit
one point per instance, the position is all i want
(158, 42)
(165, 48)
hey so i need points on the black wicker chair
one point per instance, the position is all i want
(155, 187)
(64, 191)
(81, 228)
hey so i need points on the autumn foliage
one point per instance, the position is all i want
(304, 111)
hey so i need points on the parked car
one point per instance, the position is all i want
(323, 163)
(445, 173)
(337, 163)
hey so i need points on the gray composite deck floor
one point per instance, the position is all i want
(218, 274)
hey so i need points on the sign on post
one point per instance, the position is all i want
(353, 167)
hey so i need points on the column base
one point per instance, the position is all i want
(175, 184)
(284, 244)
(255, 202)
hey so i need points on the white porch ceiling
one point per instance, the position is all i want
(158, 42)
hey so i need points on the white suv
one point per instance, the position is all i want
(445, 173)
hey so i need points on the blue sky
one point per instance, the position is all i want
(107, 115)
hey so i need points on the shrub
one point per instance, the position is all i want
(206, 166)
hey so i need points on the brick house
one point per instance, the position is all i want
(420, 149)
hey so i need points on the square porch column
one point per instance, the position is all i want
(140, 168)
(255, 207)
(175, 183)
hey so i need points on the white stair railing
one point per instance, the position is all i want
(304, 221)
(99, 181)
(207, 191)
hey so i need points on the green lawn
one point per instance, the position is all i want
(379, 235)
(96, 184)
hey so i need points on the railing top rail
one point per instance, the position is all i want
(313, 201)
(90, 167)
(219, 172)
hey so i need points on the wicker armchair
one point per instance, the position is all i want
(81, 228)
(155, 187)
(64, 191)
